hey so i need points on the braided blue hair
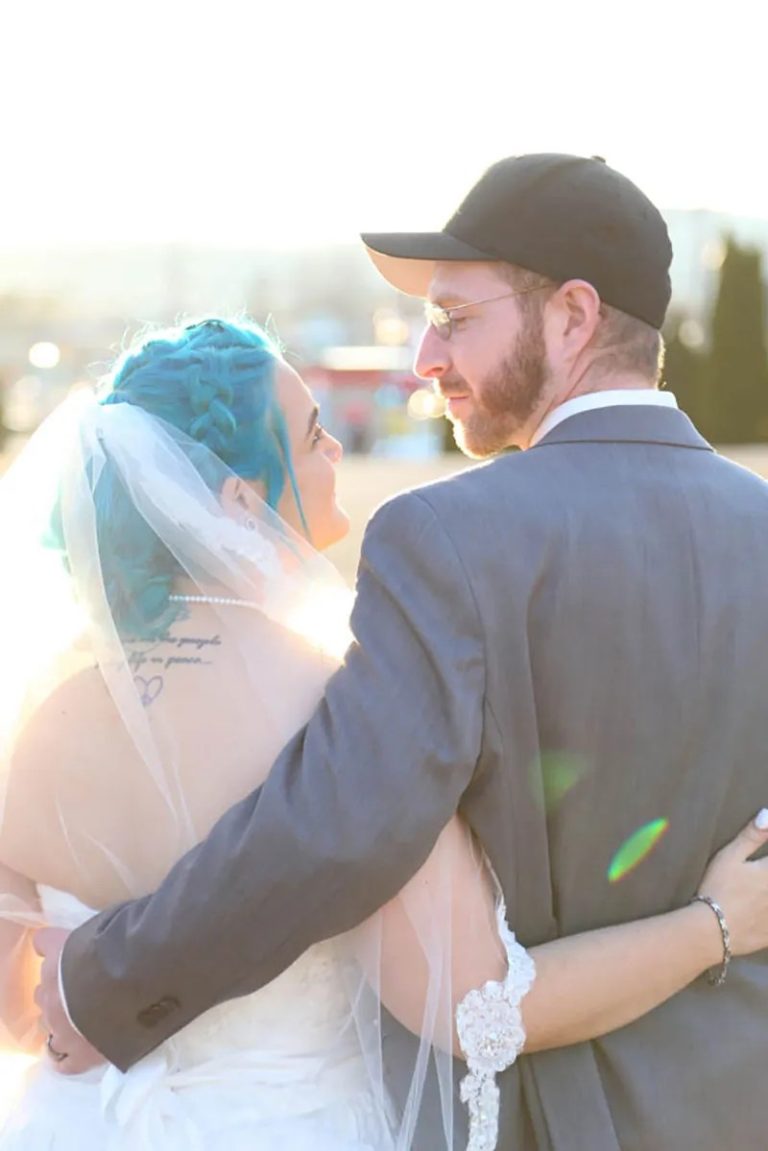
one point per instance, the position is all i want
(214, 381)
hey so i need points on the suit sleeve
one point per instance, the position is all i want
(349, 812)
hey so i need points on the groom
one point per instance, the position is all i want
(570, 645)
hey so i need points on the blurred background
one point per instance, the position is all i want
(163, 160)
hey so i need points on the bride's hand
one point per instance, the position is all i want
(740, 886)
(69, 1052)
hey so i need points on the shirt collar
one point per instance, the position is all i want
(612, 398)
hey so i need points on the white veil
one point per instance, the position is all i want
(108, 826)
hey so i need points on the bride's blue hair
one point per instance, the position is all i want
(214, 381)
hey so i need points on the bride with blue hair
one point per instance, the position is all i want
(169, 623)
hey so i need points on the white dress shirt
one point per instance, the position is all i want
(608, 399)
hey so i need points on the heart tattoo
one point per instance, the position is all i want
(149, 689)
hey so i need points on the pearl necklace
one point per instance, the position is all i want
(223, 600)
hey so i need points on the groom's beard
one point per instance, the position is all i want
(506, 400)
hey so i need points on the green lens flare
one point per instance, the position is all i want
(636, 848)
(557, 773)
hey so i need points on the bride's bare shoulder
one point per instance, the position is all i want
(78, 712)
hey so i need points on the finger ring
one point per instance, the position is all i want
(56, 1056)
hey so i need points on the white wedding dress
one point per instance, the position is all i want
(278, 1069)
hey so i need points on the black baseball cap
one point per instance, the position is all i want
(565, 217)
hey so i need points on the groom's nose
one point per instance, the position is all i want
(432, 356)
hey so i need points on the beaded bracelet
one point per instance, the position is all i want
(717, 978)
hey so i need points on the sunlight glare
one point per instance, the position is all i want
(12, 1071)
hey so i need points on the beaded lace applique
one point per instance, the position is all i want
(491, 1034)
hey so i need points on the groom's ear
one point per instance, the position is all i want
(573, 315)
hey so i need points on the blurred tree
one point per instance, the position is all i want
(737, 367)
(685, 370)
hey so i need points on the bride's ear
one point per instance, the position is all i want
(238, 497)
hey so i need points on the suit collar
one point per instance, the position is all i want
(627, 424)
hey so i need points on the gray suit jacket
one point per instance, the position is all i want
(569, 644)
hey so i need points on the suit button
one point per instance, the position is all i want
(157, 1012)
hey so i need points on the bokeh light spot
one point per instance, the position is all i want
(424, 404)
(636, 849)
(44, 355)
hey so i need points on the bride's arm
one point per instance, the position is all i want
(18, 964)
(600, 980)
(585, 984)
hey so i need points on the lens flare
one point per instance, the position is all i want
(636, 848)
(555, 774)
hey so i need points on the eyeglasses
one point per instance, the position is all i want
(441, 319)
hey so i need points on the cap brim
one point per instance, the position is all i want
(407, 259)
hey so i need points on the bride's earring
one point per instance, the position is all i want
(250, 524)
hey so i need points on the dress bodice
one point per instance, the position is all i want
(286, 1051)
(303, 1011)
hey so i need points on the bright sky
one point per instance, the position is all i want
(257, 121)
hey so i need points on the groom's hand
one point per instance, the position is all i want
(68, 1051)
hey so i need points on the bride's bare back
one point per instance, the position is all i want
(222, 691)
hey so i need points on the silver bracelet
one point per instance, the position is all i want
(717, 978)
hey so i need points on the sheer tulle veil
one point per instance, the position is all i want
(57, 621)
